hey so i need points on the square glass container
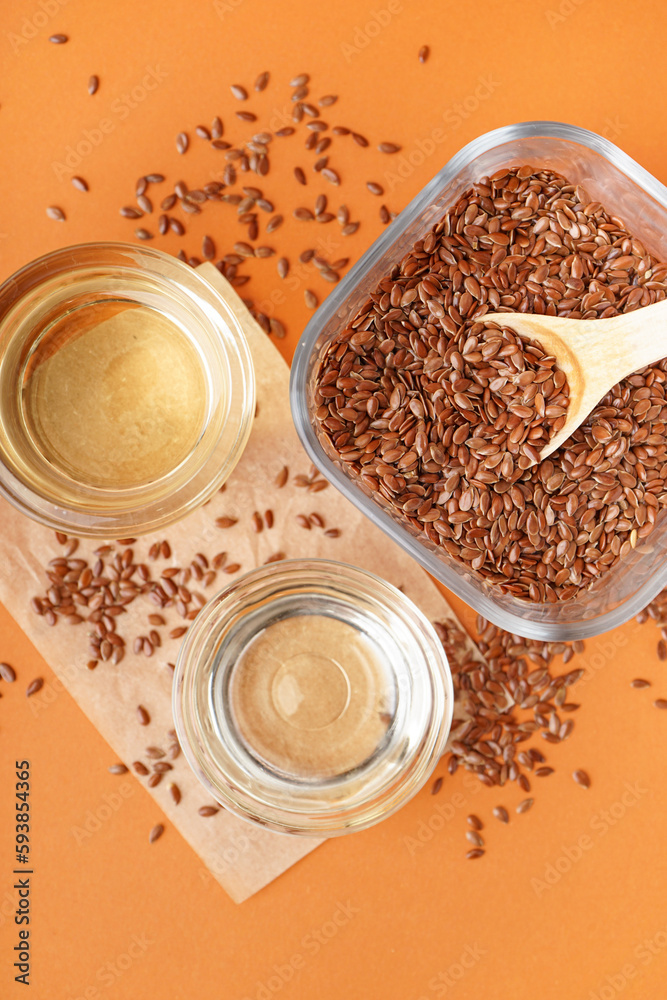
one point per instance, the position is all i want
(626, 190)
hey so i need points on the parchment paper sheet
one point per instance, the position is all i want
(241, 857)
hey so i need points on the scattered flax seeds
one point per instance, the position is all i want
(7, 673)
(254, 155)
(515, 679)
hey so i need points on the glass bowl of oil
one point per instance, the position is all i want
(312, 698)
(127, 390)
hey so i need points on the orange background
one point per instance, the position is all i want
(413, 908)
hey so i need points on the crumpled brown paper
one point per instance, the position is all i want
(241, 857)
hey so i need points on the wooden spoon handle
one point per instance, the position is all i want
(617, 347)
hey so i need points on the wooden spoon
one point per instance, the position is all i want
(595, 354)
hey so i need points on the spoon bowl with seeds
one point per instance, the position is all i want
(594, 354)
